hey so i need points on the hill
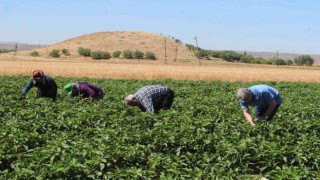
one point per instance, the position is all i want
(119, 41)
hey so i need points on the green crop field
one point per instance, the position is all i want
(203, 136)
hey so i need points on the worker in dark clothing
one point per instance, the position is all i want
(47, 87)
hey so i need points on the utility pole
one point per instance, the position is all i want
(176, 54)
(198, 54)
(165, 50)
(16, 49)
(277, 61)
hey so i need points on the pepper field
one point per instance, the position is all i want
(203, 136)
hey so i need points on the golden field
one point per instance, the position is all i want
(134, 69)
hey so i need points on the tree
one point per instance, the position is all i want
(230, 56)
(246, 59)
(304, 60)
(138, 54)
(54, 53)
(150, 55)
(65, 52)
(84, 51)
(34, 53)
(116, 54)
(128, 54)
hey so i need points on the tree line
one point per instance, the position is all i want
(232, 56)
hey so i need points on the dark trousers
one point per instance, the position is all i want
(50, 92)
(258, 112)
(166, 102)
(168, 99)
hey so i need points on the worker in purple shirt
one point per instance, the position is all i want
(46, 86)
(265, 99)
(151, 98)
(85, 90)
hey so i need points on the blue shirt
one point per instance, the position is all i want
(262, 95)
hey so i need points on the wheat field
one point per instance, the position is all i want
(134, 69)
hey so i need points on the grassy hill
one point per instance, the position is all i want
(119, 41)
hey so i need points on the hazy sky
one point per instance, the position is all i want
(291, 26)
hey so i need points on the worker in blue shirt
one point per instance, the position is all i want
(265, 99)
(47, 87)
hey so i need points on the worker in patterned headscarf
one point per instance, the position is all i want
(47, 87)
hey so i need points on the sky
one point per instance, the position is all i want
(286, 26)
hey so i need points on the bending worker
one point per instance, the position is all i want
(47, 87)
(151, 98)
(85, 90)
(265, 99)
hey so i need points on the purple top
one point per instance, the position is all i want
(86, 90)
